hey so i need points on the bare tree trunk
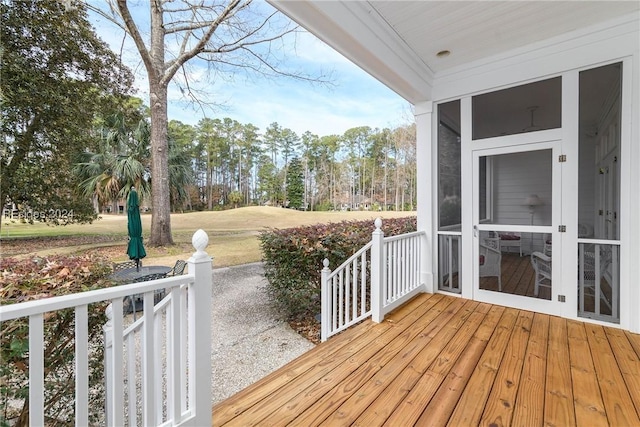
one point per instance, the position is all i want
(160, 203)
(209, 183)
(161, 218)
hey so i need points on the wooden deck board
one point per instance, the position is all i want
(500, 405)
(359, 401)
(469, 407)
(617, 400)
(441, 360)
(587, 398)
(381, 409)
(558, 401)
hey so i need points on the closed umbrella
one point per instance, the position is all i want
(135, 249)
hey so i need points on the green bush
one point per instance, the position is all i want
(38, 278)
(293, 258)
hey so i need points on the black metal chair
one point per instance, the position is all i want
(119, 266)
(178, 268)
(136, 302)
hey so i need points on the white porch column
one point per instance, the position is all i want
(427, 190)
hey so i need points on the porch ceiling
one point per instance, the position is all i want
(398, 41)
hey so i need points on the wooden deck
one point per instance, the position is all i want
(441, 360)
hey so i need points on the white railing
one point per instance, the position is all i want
(401, 264)
(185, 372)
(381, 276)
(346, 299)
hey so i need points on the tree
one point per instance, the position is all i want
(295, 184)
(232, 35)
(235, 197)
(358, 141)
(121, 162)
(55, 75)
(182, 150)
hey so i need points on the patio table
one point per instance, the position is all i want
(130, 275)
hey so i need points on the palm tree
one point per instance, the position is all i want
(120, 163)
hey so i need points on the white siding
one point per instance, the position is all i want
(515, 177)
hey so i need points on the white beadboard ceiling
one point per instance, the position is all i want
(397, 41)
(472, 30)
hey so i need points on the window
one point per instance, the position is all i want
(449, 182)
(526, 108)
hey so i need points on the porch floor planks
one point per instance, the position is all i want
(501, 402)
(628, 362)
(617, 400)
(353, 405)
(558, 404)
(588, 404)
(470, 406)
(445, 360)
(382, 407)
(530, 398)
(324, 372)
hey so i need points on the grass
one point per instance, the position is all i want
(232, 233)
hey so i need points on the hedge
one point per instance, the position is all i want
(293, 258)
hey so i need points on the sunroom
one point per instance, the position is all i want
(527, 126)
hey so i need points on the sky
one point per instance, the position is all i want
(353, 99)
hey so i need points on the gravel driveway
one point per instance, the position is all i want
(249, 341)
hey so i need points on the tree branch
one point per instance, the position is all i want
(168, 29)
(111, 18)
(229, 11)
(135, 35)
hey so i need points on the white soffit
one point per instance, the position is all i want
(397, 41)
(472, 30)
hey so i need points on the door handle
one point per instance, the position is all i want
(475, 231)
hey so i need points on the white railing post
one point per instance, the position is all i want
(199, 347)
(107, 328)
(325, 298)
(377, 272)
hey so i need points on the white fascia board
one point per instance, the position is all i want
(356, 31)
(614, 39)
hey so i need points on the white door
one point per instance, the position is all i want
(516, 214)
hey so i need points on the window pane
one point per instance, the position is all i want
(517, 188)
(449, 182)
(504, 265)
(599, 145)
(449, 263)
(598, 282)
(527, 108)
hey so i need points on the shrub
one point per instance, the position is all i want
(293, 258)
(38, 278)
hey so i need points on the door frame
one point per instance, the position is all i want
(521, 143)
(517, 301)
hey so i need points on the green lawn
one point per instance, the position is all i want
(232, 233)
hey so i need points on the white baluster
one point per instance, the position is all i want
(325, 301)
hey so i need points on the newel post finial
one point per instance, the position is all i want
(200, 240)
(378, 223)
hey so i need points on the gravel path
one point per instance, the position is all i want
(249, 341)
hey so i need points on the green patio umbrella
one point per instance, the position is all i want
(135, 249)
